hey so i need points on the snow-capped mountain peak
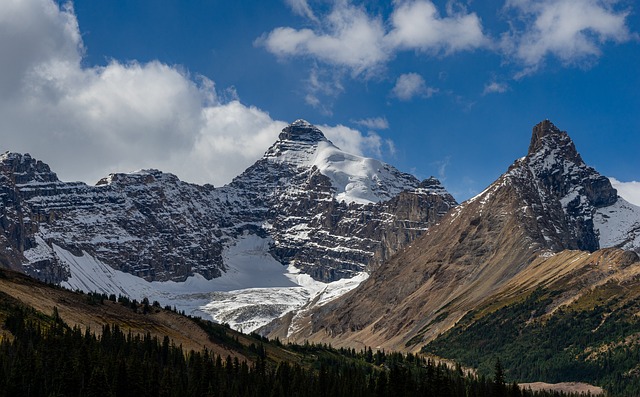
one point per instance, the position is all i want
(301, 131)
(324, 213)
(354, 179)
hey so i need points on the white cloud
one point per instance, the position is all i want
(629, 191)
(495, 87)
(349, 37)
(418, 25)
(88, 121)
(352, 38)
(571, 30)
(374, 123)
(352, 141)
(410, 85)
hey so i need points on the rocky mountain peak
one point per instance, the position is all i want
(554, 160)
(547, 138)
(302, 131)
(559, 187)
(22, 169)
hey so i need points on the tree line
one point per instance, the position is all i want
(43, 356)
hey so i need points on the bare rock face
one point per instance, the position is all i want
(18, 223)
(547, 202)
(570, 190)
(325, 220)
(147, 223)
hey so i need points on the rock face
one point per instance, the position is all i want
(329, 213)
(147, 223)
(560, 184)
(547, 202)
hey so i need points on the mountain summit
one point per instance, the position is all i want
(559, 186)
(546, 133)
(301, 130)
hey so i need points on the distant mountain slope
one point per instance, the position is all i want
(546, 203)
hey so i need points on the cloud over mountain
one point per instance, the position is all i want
(91, 120)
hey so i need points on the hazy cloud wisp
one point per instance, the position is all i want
(411, 85)
(571, 30)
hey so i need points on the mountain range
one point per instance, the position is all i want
(315, 244)
(549, 216)
(307, 218)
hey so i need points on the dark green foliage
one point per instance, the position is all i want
(45, 357)
(563, 347)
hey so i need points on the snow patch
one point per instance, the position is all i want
(255, 289)
(618, 225)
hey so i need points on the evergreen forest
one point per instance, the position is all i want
(40, 355)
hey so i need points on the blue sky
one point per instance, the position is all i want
(201, 88)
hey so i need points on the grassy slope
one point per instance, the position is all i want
(580, 324)
(79, 309)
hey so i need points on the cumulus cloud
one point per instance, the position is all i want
(629, 191)
(410, 85)
(89, 121)
(349, 37)
(418, 25)
(374, 123)
(573, 31)
(352, 141)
